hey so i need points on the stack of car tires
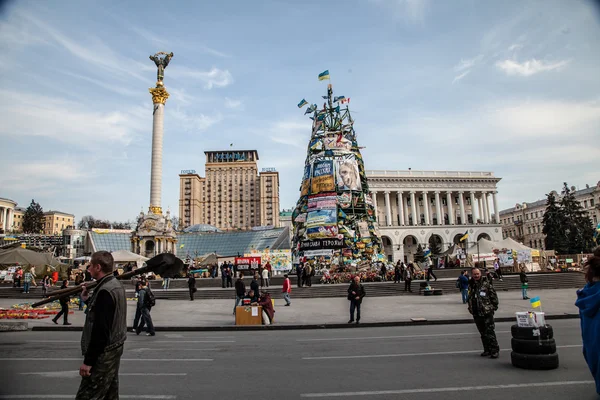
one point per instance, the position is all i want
(533, 348)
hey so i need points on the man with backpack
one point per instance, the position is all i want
(146, 301)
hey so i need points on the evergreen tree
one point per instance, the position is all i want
(435, 245)
(420, 254)
(33, 220)
(579, 229)
(554, 223)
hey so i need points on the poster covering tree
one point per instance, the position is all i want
(334, 216)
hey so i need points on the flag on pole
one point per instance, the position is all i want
(302, 103)
(427, 253)
(324, 75)
(465, 236)
(345, 101)
(535, 302)
(338, 98)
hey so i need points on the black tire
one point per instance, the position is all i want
(546, 332)
(534, 361)
(533, 346)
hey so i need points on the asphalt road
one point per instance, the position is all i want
(412, 363)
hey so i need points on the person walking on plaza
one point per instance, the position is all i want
(356, 292)
(165, 283)
(45, 285)
(524, 283)
(309, 272)
(588, 302)
(483, 302)
(223, 274)
(383, 272)
(264, 280)
(192, 285)
(229, 275)
(463, 281)
(104, 332)
(408, 273)
(286, 290)
(145, 304)
(240, 291)
(430, 273)
(300, 274)
(254, 284)
(397, 273)
(28, 279)
(64, 306)
(497, 269)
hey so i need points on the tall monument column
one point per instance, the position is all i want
(154, 233)
(159, 99)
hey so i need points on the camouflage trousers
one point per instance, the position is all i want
(103, 384)
(486, 328)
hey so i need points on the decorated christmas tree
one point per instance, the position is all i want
(334, 217)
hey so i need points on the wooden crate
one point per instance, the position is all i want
(243, 315)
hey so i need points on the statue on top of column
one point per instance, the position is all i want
(161, 59)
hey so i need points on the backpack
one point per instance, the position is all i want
(150, 299)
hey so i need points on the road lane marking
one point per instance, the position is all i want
(72, 396)
(448, 389)
(75, 374)
(185, 341)
(122, 359)
(395, 337)
(436, 353)
(142, 349)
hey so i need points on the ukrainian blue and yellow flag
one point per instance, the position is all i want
(535, 302)
(465, 236)
(324, 75)
(302, 103)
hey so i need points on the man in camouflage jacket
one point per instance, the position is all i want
(483, 301)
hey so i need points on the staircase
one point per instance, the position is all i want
(178, 288)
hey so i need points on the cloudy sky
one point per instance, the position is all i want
(506, 86)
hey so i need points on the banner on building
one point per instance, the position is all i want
(318, 253)
(247, 263)
(305, 181)
(322, 201)
(280, 260)
(322, 177)
(322, 244)
(347, 176)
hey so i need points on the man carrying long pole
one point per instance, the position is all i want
(104, 331)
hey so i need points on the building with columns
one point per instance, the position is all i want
(426, 207)
(7, 214)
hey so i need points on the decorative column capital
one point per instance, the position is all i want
(460, 192)
(436, 192)
(387, 192)
(159, 95)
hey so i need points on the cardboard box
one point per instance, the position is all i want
(530, 319)
(248, 315)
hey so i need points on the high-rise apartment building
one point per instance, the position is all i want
(232, 195)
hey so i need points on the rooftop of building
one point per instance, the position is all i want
(58, 212)
(439, 174)
(199, 243)
(232, 151)
(8, 200)
(581, 192)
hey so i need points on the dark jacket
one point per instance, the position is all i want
(64, 300)
(588, 302)
(240, 288)
(523, 277)
(267, 305)
(254, 286)
(355, 291)
(191, 282)
(483, 299)
(113, 290)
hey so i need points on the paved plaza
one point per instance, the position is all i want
(183, 314)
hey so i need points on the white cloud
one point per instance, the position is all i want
(66, 121)
(195, 122)
(233, 103)
(530, 67)
(459, 77)
(515, 47)
(43, 177)
(214, 78)
(467, 64)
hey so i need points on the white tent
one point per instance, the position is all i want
(512, 244)
(123, 256)
(523, 253)
(483, 250)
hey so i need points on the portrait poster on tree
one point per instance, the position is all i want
(347, 175)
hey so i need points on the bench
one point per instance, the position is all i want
(432, 292)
